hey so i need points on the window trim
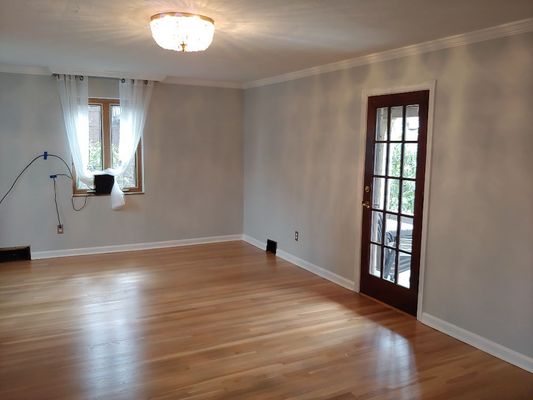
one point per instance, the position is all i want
(105, 105)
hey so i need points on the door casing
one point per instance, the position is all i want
(366, 93)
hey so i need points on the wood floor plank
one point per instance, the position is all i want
(221, 321)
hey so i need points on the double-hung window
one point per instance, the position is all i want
(104, 137)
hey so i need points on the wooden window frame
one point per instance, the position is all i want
(105, 105)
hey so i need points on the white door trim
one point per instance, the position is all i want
(366, 93)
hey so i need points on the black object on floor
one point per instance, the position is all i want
(271, 246)
(15, 253)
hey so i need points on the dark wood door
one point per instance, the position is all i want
(393, 197)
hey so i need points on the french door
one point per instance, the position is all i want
(393, 197)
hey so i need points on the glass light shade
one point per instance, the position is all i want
(182, 31)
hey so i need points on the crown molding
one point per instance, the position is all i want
(174, 80)
(495, 32)
(37, 70)
(106, 74)
(24, 69)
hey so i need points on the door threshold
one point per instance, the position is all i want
(387, 305)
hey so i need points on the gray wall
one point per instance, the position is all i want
(302, 142)
(193, 168)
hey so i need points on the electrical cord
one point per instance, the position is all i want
(72, 198)
(82, 207)
(71, 175)
(45, 155)
(68, 176)
(19, 175)
(55, 201)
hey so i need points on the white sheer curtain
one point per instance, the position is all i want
(74, 97)
(134, 97)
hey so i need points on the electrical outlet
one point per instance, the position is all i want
(296, 235)
(60, 229)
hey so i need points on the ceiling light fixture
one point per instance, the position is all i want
(181, 31)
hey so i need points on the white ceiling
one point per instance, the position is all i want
(254, 39)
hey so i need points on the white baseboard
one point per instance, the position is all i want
(484, 344)
(254, 242)
(132, 247)
(315, 269)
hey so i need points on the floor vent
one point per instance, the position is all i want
(15, 253)
(271, 246)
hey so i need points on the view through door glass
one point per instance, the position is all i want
(393, 197)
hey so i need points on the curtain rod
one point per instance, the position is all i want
(123, 80)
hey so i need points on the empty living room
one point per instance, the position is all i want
(266, 199)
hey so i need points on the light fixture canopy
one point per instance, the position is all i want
(180, 31)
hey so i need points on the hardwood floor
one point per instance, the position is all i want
(221, 321)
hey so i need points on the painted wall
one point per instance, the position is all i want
(193, 168)
(302, 141)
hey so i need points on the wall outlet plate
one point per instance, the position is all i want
(60, 229)
(296, 235)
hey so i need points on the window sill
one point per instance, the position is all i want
(92, 194)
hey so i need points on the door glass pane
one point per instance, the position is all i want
(396, 115)
(375, 260)
(404, 270)
(392, 194)
(395, 159)
(408, 197)
(378, 193)
(391, 229)
(409, 160)
(406, 234)
(377, 226)
(389, 264)
(380, 150)
(381, 124)
(411, 129)
(129, 178)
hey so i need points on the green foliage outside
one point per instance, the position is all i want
(408, 193)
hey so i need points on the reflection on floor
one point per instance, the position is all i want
(221, 321)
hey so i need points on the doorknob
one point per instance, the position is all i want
(366, 204)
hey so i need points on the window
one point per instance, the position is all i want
(104, 135)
